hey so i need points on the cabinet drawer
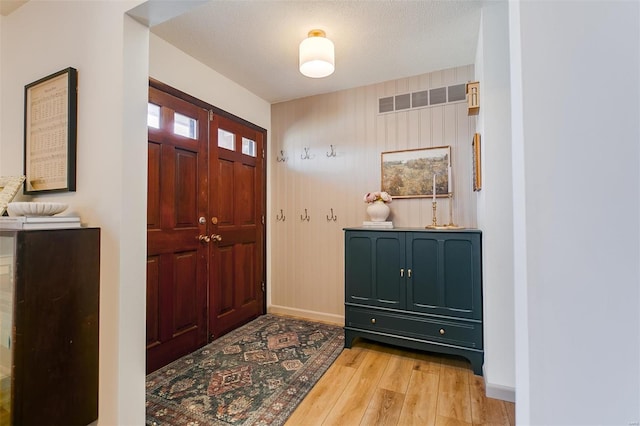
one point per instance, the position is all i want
(461, 333)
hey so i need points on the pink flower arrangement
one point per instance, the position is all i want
(371, 197)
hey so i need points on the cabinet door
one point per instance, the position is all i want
(445, 274)
(374, 272)
(424, 290)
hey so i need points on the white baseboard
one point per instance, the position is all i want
(504, 393)
(305, 314)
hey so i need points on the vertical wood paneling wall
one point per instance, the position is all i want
(307, 257)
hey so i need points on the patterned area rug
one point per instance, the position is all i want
(255, 375)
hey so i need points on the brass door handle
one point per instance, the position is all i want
(216, 237)
(203, 238)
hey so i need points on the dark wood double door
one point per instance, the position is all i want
(205, 226)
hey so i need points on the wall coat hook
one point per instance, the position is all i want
(280, 217)
(332, 218)
(306, 155)
(332, 153)
(282, 157)
(305, 217)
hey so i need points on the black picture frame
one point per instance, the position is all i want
(50, 133)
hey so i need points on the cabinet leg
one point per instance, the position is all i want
(348, 339)
(476, 362)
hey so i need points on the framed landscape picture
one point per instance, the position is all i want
(414, 173)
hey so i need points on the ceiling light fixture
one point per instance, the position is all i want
(317, 57)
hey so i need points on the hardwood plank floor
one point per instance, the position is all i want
(376, 384)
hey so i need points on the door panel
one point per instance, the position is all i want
(186, 178)
(153, 178)
(153, 282)
(245, 195)
(237, 200)
(246, 273)
(225, 294)
(224, 199)
(185, 290)
(177, 260)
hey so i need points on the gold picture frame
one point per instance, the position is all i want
(9, 187)
(477, 164)
(411, 173)
(50, 121)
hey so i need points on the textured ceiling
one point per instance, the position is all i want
(255, 43)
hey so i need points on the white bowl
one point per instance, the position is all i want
(35, 209)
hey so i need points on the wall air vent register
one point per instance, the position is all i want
(421, 99)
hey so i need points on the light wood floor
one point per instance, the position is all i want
(374, 384)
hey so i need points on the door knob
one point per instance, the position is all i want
(203, 238)
(216, 237)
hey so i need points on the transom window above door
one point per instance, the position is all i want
(226, 140)
(153, 115)
(249, 147)
(182, 124)
(185, 126)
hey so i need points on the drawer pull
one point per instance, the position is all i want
(402, 272)
(373, 320)
(409, 273)
(442, 331)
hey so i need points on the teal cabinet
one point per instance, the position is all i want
(415, 288)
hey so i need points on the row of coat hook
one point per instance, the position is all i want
(280, 217)
(282, 157)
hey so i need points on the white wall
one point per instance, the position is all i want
(495, 213)
(576, 137)
(38, 39)
(181, 71)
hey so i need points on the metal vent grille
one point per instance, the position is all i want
(423, 98)
(403, 101)
(438, 96)
(420, 99)
(457, 92)
(385, 104)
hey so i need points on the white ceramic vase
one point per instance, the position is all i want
(378, 211)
